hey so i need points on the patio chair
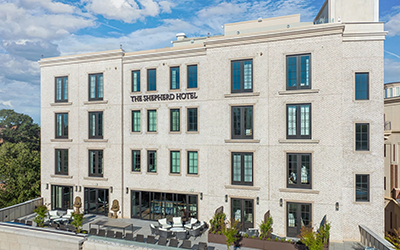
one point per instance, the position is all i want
(164, 223)
(173, 243)
(93, 231)
(140, 238)
(17, 221)
(154, 230)
(110, 234)
(177, 222)
(54, 225)
(181, 235)
(151, 239)
(68, 214)
(22, 221)
(202, 246)
(53, 214)
(187, 244)
(162, 241)
(63, 227)
(252, 232)
(29, 222)
(71, 228)
(164, 233)
(195, 232)
(129, 236)
(118, 235)
(190, 223)
(102, 232)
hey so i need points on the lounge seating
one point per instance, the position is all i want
(195, 232)
(68, 214)
(191, 223)
(22, 222)
(54, 225)
(173, 243)
(93, 231)
(187, 244)
(181, 235)
(53, 214)
(102, 232)
(154, 230)
(64, 227)
(177, 222)
(202, 246)
(252, 232)
(129, 236)
(17, 221)
(71, 228)
(164, 223)
(29, 223)
(110, 234)
(151, 239)
(140, 238)
(118, 235)
(164, 233)
(162, 241)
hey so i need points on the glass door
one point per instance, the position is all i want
(243, 211)
(96, 201)
(61, 197)
(298, 215)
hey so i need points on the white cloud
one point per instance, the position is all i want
(53, 7)
(392, 70)
(393, 25)
(7, 104)
(222, 9)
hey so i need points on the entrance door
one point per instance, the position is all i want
(243, 211)
(61, 197)
(298, 215)
(96, 201)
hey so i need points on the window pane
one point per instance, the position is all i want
(136, 121)
(305, 120)
(292, 215)
(362, 187)
(236, 121)
(65, 89)
(151, 79)
(175, 123)
(92, 161)
(92, 125)
(305, 169)
(175, 161)
(100, 162)
(92, 86)
(174, 78)
(248, 114)
(361, 86)
(192, 162)
(152, 161)
(58, 161)
(136, 81)
(192, 76)
(65, 163)
(65, 125)
(192, 119)
(152, 120)
(247, 75)
(292, 171)
(248, 168)
(58, 88)
(292, 120)
(135, 160)
(292, 71)
(236, 76)
(362, 136)
(237, 167)
(59, 125)
(100, 86)
(305, 71)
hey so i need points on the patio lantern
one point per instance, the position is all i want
(337, 206)
(226, 198)
(281, 202)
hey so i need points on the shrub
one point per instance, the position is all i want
(77, 221)
(394, 239)
(266, 227)
(276, 239)
(41, 212)
(311, 239)
(260, 237)
(230, 231)
(253, 237)
(269, 239)
(246, 235)
(283, 239)
(290, 241)
(217, 222)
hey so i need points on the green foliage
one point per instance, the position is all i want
(41, 212)
(217, 222)
(230, 231)
(16, 128)
(290, 241)
(77, 221)
(266, 227)
(313, 240)
(260, 237)
(283, 239)
(276, 239)
(20, 172)
(394, 239)
(246, 235)
(324, 232)
(253, 237)
(269, 239)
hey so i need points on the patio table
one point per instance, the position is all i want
(177, 229)
(98, 223)
(118, 224)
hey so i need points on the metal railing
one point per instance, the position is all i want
(371, 239)
(388, 126)
(19, 210)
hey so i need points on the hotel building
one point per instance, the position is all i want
(275, 114)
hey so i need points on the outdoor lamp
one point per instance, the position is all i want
(201, 196)
(258, 200)
(127, 190)
(281, 202)
(226, 198)
(76, 188)
(80, 188)
(111, 189)
(47, 185)
(337, 206)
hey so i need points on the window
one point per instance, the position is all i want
(192, 119)
(175, 120)
(298, 165)
(298, 70)
(136, 121)
(243, 211)
(62, 161)
(62, 125)
(96, 163)
(61, 89)
(152, 161)
(136, 81)
(174, 78)
(151, 120)
(192, 76)
(96, 87)
(362, 136)
(151, 80)
(96, 125)
(175, 162)
(242, 122)
(362, 187)
(298, 121)
(362, 80)
(136, 160)
(193, 162)
(242, 169)
(61, 197)
(242, 76)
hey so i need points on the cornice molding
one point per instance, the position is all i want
(157, 55)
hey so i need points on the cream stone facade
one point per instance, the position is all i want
(335, 53)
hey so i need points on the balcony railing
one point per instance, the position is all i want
(370, 239)
(22, 209)
(388, 126)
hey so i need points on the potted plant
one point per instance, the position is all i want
(41, 213)
(231, 233)
(77, 221)
(315, 240)
(216, 224)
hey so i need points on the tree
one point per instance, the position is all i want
(16, 127)
(20, 172)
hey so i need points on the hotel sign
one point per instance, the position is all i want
(164, 97)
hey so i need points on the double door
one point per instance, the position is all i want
(298, 215)
(243, 211)
(96, 201)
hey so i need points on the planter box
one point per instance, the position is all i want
(217, 238)
(265, 244)
(253, 243)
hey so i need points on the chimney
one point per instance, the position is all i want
(180, 36)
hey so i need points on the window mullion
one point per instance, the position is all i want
(298, 122)
(242, 168)
(242, 76)
(298, 73)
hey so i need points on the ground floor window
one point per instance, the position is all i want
(96, 201)
(155, 205)
(243, 211)
(298, 215)
(61, 197)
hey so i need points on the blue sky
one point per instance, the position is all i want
(31, 28)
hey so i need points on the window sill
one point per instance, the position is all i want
(154, 133)
(61, 176)
(192, 89)
(362, 151)
(152, 173)
(300, 91)
(301, 141)
(174, 90)
(242, 94)
(242, 187)
(61, 140)
(362, 202)
(136, 133)
(298, 190)
(95, 178)
(95, 102)
(192, 175)
(60, 103)
(175, 174)
(192, 132)
(175, 132)
(241, 141)
(136, 172)
(95, 140)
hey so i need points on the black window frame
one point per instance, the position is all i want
(298, 122)
(361, 90)
(362, 141)
(63, 169)
(172, 121)
(242, 182)
(171, 162)
(178, 78)
(298, 72)
(97, 129)
(149, 152)
(299, 162)
(148, 120)
(299, 213)
(242, 123)
(64, 129)
(133, 120)
(138, 81)
(96, 98)
(66, 203)
(368, 184)
(242, 89)
(148, 80)
(191, 74)
(192, 120)
(98, 164)
(136, 161)
(64, 81)
(188, 162)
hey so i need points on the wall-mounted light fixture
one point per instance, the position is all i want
(281, 202)
(76, 188)
(80, 188)
(337, 206)
(127, 190)
(47, 185)
(201, 196)
(111, 189)
(258, 200)
(226, 198)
